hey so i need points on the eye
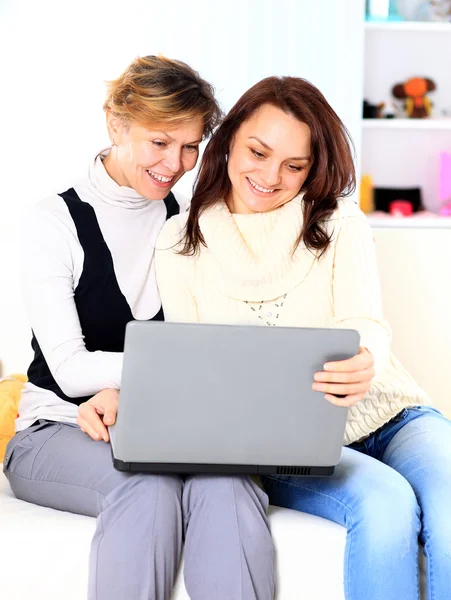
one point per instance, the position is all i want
(159, 144)
(295, 168)
(191, 148)
(257, 154)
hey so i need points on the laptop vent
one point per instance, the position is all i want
(293, 470)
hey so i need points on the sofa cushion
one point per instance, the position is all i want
(10, 390)
(44, 553)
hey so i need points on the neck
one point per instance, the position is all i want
(113, 168)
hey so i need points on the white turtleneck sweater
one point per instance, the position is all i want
(248, 275)
(52, 263)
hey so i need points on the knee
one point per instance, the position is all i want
(436, 532)
(389, 515)
(233, 497)
(231, 489)
(161, 490)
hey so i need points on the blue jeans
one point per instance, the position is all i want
(389, 491)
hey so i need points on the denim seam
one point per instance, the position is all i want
(385, 458)
(429, 570)
(349, 540)
(310, 490)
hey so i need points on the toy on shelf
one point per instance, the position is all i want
(414, 91)
(400, 208)
(391, 200)
(372, 111)
(445, 184)
(383, 110)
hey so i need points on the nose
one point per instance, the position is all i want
(271, 174)
(173, 159)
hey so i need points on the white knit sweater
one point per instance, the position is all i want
(249, 275)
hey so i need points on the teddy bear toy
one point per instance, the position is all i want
(414, 91)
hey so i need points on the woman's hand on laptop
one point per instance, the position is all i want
(97, 413)
(346, 382)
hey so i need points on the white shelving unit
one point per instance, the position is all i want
(439, 124)
(402, 26)
(405, 152)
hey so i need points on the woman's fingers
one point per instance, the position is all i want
(90, 422)
(361, 361)
(342, 389)
(86, 428)
(344, 377)
(346, 382)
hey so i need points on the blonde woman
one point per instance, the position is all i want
(88, 269)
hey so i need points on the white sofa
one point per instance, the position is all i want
(43, 552)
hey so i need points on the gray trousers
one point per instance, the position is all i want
(143, 519)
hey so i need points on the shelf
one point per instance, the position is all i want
(443, 124)
(432, 26)
(410, 222)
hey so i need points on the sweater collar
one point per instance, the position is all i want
(108, 191)
(250, 257)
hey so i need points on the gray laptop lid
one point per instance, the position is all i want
(228, 395)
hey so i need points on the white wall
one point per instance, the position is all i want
(416, 291)
(56, 55)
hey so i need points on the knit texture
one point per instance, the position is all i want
(250, 273)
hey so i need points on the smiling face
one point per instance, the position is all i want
(269, 160)
(151, 161)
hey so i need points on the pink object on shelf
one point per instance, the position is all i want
(445, 211)
(401, 208)
(445, 177)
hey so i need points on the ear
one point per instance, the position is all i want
(398, 91)
(430, 85)
(114, 126)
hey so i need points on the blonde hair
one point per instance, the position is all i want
(156, 89)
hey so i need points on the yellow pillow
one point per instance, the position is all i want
(10, 391)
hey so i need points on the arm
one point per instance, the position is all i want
(174, 273)
(357, 305)
(356, 290)
(47, 247)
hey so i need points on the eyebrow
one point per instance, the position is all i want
(173, 140)
(253, 137)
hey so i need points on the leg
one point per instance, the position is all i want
(229, 554)
(136, 547)
(379, 510)
(421, 452)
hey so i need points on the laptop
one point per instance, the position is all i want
(232, 399)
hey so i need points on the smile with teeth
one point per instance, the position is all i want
(259, 188)
(160, 177)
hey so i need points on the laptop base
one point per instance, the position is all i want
(221, 469)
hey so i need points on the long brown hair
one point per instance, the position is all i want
(331, 175)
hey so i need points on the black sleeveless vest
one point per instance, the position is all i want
(102, 308)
